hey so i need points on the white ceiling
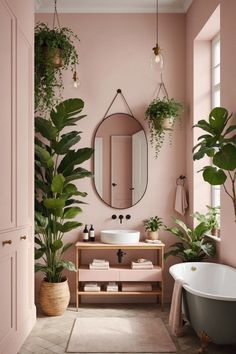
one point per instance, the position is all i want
(113, 6)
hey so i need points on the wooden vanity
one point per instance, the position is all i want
(120, 273)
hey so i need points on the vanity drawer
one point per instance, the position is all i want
(146, 275)
(98, 275)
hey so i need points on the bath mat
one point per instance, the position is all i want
(120, 335)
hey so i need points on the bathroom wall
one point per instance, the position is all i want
(197, 16)
(115, 52)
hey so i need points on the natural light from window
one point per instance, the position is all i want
(215, 89)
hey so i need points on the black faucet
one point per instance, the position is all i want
(121, 217)
(120, 255)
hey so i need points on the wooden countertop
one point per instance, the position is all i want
(106, 246)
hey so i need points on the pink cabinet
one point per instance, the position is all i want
(17, 310)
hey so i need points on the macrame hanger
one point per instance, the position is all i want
(55, 16)
(162, 88)
(118, 91)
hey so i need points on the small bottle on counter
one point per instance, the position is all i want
(91, 234)
(86, 234)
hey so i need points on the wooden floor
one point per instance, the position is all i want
(50, 334)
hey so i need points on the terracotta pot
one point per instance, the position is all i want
(53, 55)
(168, 123)
(215, 232)
(54, 297)
(153, 235)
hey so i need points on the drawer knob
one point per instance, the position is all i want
(7, 242)
(23, 237)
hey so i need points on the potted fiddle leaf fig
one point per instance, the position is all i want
(57, 168)
(161, 115)
(219, 143)
(193, 245)
(54, 52)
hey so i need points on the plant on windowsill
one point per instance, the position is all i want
(193, 245)
(161, 115)
(57, 164)
(54, 52)
(219, 143)
(152, 225)
(211, 218)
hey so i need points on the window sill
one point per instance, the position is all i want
(215, 238)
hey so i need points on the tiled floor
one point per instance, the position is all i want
(50, 334)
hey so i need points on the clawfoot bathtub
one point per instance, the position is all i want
(209, 299)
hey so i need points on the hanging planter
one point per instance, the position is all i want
(54, 52)
(161, 115)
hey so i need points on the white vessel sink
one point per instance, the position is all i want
(120, 236)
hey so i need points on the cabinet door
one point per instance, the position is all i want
(24, 131)
(24, 277)
(7, 292)
(7, 118)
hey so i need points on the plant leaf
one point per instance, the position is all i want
(70, 225)
(57, 244)
(44, 156)
(225, 158)
(218, 118)
(45, 128)
(58, 183)
(66, 142)
(213, 175)
(70, 213)
(54, 203)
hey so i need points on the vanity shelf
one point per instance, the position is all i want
(120, 273)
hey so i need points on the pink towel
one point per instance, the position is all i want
(175, 318)
(180, 199)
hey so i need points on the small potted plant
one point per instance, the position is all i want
(211, 218)
(54, 52)
(192, 246)
(152, 225)
(161, 115)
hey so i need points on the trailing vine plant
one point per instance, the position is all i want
(54, 52)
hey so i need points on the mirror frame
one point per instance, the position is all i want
(93, 144)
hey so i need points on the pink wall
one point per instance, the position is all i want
(197, 16)
(114, 53)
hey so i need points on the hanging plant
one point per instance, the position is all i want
(54, 52)
(161, 116)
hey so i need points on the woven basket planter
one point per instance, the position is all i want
(54, 297)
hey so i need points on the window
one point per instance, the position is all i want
(215, 89)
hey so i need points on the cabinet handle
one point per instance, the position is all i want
(7, 242)
(23, 237)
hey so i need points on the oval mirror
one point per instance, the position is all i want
(120, 161)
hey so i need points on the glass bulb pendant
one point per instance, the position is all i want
(75, 79)
(157, 61)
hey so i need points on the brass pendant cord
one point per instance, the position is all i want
(157, 21)
(118, 91)
(55, 16)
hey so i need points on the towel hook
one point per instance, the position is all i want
(181, 180)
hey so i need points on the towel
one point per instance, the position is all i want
(180, 199)
(175, 318)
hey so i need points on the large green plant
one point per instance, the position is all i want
(219, 143)
(211, 218)
(158, 110)
(193, 245)
(48, 77)
(56, 166)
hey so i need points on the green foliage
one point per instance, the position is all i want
(156, 113)
(48, 78)
(56, 165)
(154, 223)
(211, 218)
(220, 144)
(193, 246)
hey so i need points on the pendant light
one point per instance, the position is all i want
(157, 61)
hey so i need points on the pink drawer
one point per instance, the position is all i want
(141, 275)
(98, 275)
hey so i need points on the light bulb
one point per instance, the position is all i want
(75, 80)
(157, 61)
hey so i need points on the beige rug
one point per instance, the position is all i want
(120, 335)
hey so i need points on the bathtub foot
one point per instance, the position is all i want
(205, 340)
